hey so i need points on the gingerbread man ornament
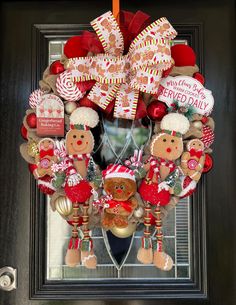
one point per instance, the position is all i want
(192, 161)
(78, 188)
(166, 147)
(45, 158)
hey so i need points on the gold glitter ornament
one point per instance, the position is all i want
(32, 149)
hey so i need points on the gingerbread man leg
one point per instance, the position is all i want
(160, 259)
(72, 257)
(145, 255)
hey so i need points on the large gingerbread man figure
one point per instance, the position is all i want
(78, 187)
(156, 188)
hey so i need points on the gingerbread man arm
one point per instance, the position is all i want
(184, 160)
(134, 202)
(199, 167)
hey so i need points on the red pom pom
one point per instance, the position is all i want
(198, 76)
(32, 167)
(56, 67)
(141, 109)
(156, 110)
(183, 55)
(208, 164)
(85, 102)
(150, 193)
(74, 47)
(79, 192)
(23, 132)
(31, 120)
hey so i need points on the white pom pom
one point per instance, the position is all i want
(175, 122)
(84, 116)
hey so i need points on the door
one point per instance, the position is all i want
(23, 25)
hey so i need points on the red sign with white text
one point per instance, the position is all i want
(50, 116)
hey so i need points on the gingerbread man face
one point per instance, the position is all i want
(166, 146)
(79, 142)
(46, 144)
(121, 189)
(195, 144)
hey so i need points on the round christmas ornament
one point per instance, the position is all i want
(125, 71)
(31, 120)
(70, 107)
(64, 206)
(23, 132)
(35, 98)
(208, 164)
(124, 232)
(156, 110)
(56, 67)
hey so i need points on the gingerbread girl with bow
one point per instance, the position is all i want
(192, 160)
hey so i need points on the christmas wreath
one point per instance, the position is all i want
(129, 71)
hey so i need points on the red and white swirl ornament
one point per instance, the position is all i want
(67, 89)
(208, 136)
(35, 97)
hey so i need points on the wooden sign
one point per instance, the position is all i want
(50, 116)
(188, 92)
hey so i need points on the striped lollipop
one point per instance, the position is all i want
(67, 89)
(35, 98)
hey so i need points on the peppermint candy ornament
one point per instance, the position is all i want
(208, 136)
(35, 98)
(67, 89)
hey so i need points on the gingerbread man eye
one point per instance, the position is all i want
(194, 144)
(164, 140)
(82, 136)
(122, 187)
(116, 187)
(74, 136)
(172, 141)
